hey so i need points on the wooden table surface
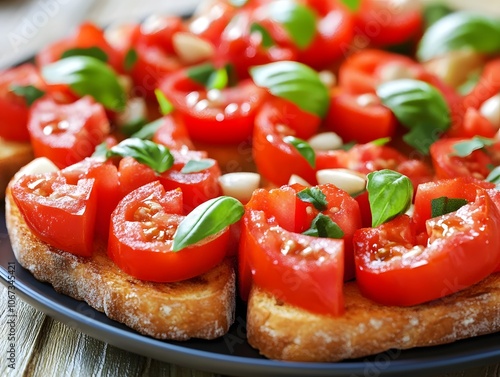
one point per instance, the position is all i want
(44, 346)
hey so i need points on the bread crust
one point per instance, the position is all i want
(280, 331)
(13, 156)
(202, 307)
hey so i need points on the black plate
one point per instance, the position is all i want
(231, 353)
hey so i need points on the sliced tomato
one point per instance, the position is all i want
(197, 187)
(87, 35)
(141, 234)
(14, 108)
(226, 119)
(447, 164)
(58, 212)
(463, 248)
(455, 188)
(300, 270)
(354, 120)
(277, 160)
(334, 33)
(106, 187)
(67, 133)
(475, 124)
(487, 86)
(243, 48)
(173, 133)
(385, 23)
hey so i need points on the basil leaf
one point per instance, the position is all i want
(133, 126)
(207, 219)
(148, 130)
(194, 166)
(156, 156)
(443, 205)
(88, 76)
(494, 177)
(419, 107)
(389, 193)
(353, 5)
(465, 148)
(93, 52)
(295, 82)
(209, 76)
(166, 106)
(470, 83)
(303, 148)
(30, 93)
(130, 59)
(460, 31)
(324, 227)
(297, 19)
(267, 39)
(381, 141)
(434, 12)
(101, 151)
(315, 196)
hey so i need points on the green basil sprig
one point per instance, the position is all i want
(30, 93)
(295, 82)
(465, 148)
(459, 31)
(420, 107)
(209, 76)
(166, 106)
(315, 196)
(94, 52)
(324, 227)
(147, 152)
(389, 193)
(86, 75)
(267, 39)
(298, 20)
(353, 5)
(443, 205)
(130, 59)
(494, 177)
(207, 219)
(303, 148)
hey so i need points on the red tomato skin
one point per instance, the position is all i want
(133, 174)
(14, 110)
(449, 262)
(354, 122)
(275, 159)
(487, 87)
(448, 165)
(173, 133)
(458, 188)
(153, 259)
(64, 220)
(385, 25)
(86, 35)
(197, 187)
(67, 133)
(229, 120)
(299, 281)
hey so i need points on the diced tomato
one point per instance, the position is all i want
(447, 164)
(58, 212)
(14, 108)
(463, 248)
(277, 160)
(173, 133)
(87, 35)
(301, 270)
(385, 23)
(475, 124)
(141, 234)
(228, 119)
(456, 188)
(67, 133)
(354, 120)
(487, 86)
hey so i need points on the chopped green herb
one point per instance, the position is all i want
(315, 196)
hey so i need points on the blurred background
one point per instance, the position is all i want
(25, 25)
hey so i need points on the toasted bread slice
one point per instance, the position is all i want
(281, 331)
(202, 307)
(13, 156)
